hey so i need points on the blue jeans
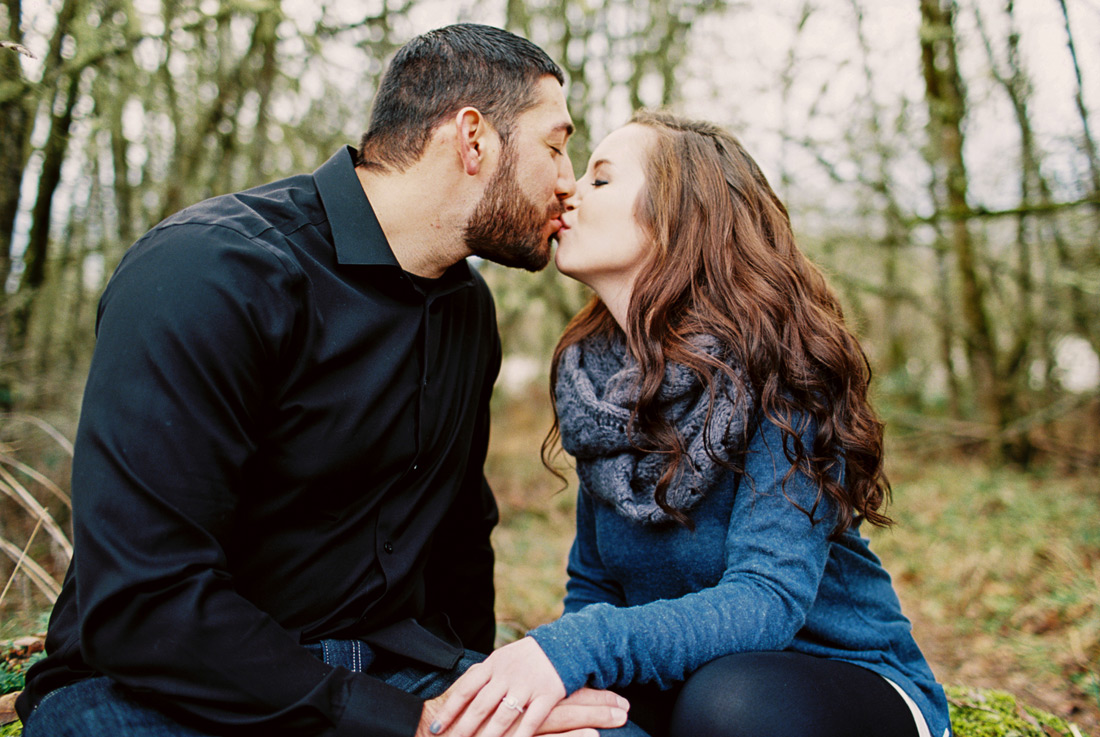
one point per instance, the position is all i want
(102, 705)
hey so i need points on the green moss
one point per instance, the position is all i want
(979, 712)
(11, 730)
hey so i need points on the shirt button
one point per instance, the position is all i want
(388, 547)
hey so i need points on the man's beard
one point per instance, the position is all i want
(506, 226)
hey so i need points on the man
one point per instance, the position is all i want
(280, 517)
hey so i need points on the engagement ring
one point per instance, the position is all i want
(511, 703)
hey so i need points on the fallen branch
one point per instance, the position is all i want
(967, 431)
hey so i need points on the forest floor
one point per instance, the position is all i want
(1000, 574)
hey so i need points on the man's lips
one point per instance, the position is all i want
(560, 226)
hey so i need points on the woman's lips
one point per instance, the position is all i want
(560, 232)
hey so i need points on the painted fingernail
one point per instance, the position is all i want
(436, 727)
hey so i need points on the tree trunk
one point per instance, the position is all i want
(947, 108)
(1082, 109)
(898, 233)
(1084, 318)
(37, 253)
(15, 123)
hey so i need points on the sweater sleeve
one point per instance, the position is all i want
(589, 580)
(775, 559)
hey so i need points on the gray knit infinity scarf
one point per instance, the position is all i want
(597, 388)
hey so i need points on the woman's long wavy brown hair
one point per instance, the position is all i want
(724, 263)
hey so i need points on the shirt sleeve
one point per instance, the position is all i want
(775, 559)
(459, 574)
(191, 335)
(589, 581)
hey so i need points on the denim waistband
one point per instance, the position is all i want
(354, 655)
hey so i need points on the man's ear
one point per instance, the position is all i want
(474, 132)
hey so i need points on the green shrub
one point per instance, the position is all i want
(10, 680)
(11, 674)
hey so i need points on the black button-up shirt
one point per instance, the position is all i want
(282, 440)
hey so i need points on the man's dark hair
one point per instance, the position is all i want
(437, 74)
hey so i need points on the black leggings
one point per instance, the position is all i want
(774, 694)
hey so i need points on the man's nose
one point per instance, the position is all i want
(567, 182)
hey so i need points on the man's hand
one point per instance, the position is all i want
(583, 712)
(579, 715)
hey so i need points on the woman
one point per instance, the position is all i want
(717, 408)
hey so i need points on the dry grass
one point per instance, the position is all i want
(35, 546)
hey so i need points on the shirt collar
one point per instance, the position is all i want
(355, 230)
(356, 233)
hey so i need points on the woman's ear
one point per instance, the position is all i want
(473, 132)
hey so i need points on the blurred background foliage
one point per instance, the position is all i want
(939, 159)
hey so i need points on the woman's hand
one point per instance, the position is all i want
(516, 686)
(580, 714)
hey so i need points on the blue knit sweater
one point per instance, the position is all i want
(653, 604)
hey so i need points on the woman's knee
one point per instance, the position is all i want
(780, 694)
(726, 698)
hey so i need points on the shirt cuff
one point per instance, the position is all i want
(377, 708)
